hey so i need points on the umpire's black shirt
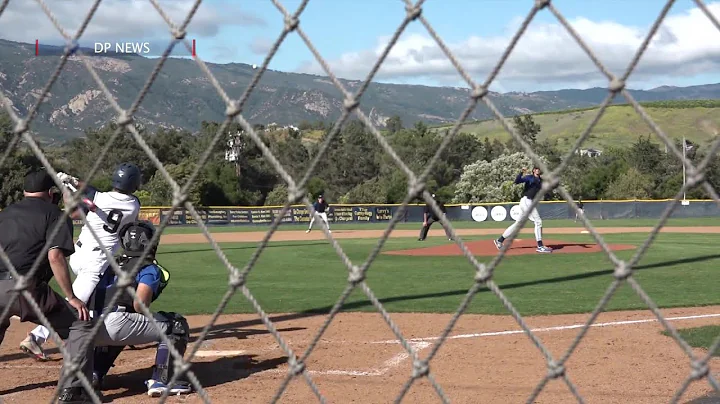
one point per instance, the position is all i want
(431, 213)
(25, 227)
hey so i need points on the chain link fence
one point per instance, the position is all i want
(357, 272)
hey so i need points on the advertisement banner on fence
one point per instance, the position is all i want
(339, 214)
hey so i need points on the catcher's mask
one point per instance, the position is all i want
(136, 237)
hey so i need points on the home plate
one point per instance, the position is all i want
(218, 353)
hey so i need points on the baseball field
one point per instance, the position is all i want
(625, 357)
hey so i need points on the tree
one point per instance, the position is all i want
(370, 191)
(83, 152)
(394, 124)
(351, 159)
(549, 149)
(161, 193)
(17, 164)
(278, 196)
(171, 146)
(526, 128)
(630, 185)
(645, 155)
(492, 181)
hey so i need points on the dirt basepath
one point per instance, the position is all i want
(298, 235)
(624, 359)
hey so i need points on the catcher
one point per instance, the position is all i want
(125, 324)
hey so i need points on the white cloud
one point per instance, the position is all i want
(686, 45)
(261, 46)
(117, 20)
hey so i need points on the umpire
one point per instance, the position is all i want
(25, 236)
(26, 228)
(429, 217)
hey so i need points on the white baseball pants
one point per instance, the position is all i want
(534, 216)
(88, 265)
(324, 218)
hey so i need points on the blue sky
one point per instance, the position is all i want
(339, 26)
(349, 35)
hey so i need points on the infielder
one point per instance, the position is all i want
(125, 324)
(429, 217)
(580, 206)
(532, 185)
(110, 211)
(320, 207)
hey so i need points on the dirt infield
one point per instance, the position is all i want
(623, 359)
(519, 247)
(487, 359)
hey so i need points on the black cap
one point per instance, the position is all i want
(38, 181)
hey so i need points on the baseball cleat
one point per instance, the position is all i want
(544, 249)
(498, 244)
(307, 231)
(157, 389)
(75, 395)
(32, 349)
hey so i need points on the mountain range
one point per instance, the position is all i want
(182, 96)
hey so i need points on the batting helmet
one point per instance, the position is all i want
(136, 237)
(127, 178)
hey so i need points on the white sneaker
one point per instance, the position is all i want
(33, 349)
(157, 389)
(307, 231)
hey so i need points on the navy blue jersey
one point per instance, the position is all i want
(320, 207)
(531, 185)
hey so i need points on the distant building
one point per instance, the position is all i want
(590, 152)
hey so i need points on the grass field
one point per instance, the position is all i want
(620, 126)
(700, 337)
(487, 354)
(308, 277)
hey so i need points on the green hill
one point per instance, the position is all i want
(697, 120)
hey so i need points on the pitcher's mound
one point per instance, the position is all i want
(518, 247)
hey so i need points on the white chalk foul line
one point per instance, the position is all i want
(556, 328)
(379, 371)
(417, 343)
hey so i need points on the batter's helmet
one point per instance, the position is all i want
(135, 237)
(127, 178)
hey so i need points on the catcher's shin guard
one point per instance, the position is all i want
(178, 334)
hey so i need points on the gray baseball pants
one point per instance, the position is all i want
(122, 329)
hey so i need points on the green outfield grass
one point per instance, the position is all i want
(700, 337)
(679, 270)
(702, 221)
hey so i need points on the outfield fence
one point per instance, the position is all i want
(481, 274)
(413, 213)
